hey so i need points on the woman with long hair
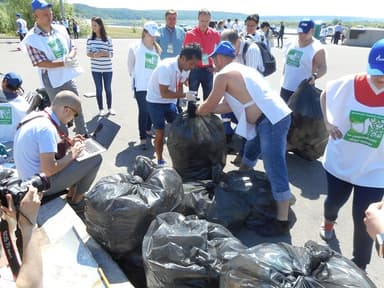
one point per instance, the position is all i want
(142, 60)
(100, 50)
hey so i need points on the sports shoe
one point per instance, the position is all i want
(111, 112)
(326, 230)
(101, 113)
(161, 162)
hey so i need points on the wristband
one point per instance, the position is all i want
(314, 75)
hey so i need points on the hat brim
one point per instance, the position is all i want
(375, 71)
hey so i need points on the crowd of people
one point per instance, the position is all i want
(168, 65)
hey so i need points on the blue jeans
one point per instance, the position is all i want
(270, 143)
(201, 76)
(144, 120)
(338, 194)
(98, 78)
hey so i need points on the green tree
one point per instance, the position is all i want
(11, 7)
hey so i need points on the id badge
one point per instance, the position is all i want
(204, 59)
(170, 48)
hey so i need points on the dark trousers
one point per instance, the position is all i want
(285, 94)
(201, 76)
(99, 78)
(338, 194)
(144, 120)
(280, 37)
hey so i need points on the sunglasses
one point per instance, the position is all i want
(73, 110)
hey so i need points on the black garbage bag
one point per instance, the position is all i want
(143, 167)
(307, 136)
(183, 251)
(197, 147)
(198, 197)
(119, 208)
(132, 265)
(244, 197)
(283, 265)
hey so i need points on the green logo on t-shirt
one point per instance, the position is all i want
(5, 115)
(151, 61)
(366, 129)
(293, 57)
(57, 48)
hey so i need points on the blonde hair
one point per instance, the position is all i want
(157, 46)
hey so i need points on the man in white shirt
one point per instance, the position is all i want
(13, 106)
(165, 87)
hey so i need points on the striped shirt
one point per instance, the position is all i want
(102, 64)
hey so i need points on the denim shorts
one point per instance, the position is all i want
(161, 112)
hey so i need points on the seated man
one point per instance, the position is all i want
(13, 107)
(36, 150)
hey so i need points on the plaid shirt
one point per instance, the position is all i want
(37, 56)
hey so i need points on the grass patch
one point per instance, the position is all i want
(123, 32)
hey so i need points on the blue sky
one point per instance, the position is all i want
(365, 8)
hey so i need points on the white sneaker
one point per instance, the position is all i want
(101, 113)
(111, 112)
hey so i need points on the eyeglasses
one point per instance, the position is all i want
(75, 113)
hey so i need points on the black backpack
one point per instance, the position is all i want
(269, 61)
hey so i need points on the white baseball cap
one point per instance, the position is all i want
(152, 28)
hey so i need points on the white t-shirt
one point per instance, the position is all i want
(11, 114)
(32, 139)
(166, 73)
(298, 64)
(141, 63)
(358, 156)
(268, 101)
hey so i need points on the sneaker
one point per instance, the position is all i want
(111, 112)
(161, 162)
(272, 228)
(101, 113)
(326, 230)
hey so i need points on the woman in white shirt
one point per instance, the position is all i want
(142, 60)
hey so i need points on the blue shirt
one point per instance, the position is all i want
(171, 41)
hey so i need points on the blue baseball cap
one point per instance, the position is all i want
(18, 14)
(305, 25)
(14, 80)
(224, 48)
(376, 59)
(40, 4)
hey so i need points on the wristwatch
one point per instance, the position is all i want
(314, 75)
(379, 243)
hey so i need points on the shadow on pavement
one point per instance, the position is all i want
(314, 173)
(126, 158)
(250, 238)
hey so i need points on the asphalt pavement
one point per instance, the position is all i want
(307, 179)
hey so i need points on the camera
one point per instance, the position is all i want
(18, 188)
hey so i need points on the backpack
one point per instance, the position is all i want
(269, 60)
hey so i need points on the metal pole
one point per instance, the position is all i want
(62, 9)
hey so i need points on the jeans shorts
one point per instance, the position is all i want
(161, 112)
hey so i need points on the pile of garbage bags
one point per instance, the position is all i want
(307, 136)
(181, 251)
